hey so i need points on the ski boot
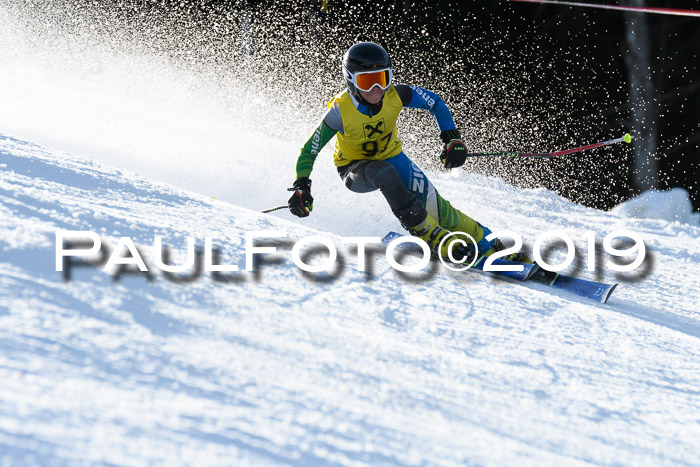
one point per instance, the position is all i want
(430, 231)
(518, 257)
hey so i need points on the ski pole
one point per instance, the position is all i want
(627, 138)
(284, 206)
(640, 9)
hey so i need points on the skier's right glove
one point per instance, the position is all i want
(455, 152)
(301, 203)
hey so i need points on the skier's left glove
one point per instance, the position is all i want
(455, 152)
(301, 203)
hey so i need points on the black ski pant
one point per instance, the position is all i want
(370, 175)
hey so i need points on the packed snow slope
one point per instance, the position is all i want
(366, 368)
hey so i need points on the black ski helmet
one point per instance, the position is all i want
(363, 56)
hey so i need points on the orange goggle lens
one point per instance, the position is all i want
(366, 81)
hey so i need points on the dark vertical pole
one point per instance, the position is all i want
(642, 90)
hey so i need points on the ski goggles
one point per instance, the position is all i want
(366, 80)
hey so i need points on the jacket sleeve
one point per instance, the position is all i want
(318, 139)
(416, 97)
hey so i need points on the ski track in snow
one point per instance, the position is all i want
(365, 369)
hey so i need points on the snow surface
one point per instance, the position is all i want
(360, 369)
(672, 205)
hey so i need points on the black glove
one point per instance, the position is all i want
(301, 203)
(454, 153)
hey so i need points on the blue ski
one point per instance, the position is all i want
(597, 291)
(523, 275)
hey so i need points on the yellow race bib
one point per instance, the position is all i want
(365, 137)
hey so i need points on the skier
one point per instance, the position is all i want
(368, 154)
